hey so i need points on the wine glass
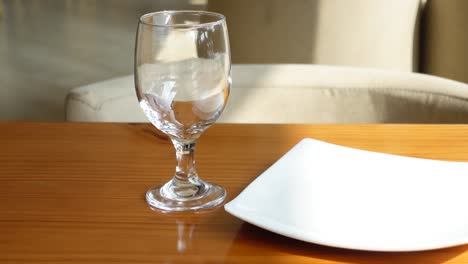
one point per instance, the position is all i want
(182, 79)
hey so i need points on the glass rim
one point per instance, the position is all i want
(221, 19)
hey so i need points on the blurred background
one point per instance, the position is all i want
(48, 47)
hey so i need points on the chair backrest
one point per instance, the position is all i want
(363, 33)
(299, 94)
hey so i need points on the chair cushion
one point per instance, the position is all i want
(299, 94)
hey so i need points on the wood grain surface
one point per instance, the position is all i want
(74, 193)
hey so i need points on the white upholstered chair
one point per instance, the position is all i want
(301, 93)
(360, 33)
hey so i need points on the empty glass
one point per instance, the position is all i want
(182, 79)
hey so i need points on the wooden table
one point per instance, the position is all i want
(74, 193)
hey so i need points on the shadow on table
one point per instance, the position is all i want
(269, 242)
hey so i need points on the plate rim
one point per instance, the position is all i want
(273, 226)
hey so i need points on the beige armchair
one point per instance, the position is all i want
(360, 33)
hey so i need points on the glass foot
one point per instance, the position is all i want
(170, 197)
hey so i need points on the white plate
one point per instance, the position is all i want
(343, 197)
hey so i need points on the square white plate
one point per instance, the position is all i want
(349, 198)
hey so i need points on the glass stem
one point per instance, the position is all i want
(186, 173)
